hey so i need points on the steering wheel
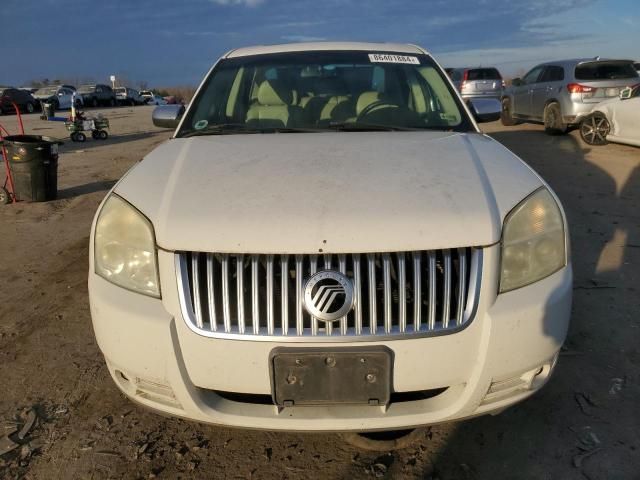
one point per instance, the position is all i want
(374, 106)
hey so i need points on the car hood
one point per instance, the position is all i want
(333, 192)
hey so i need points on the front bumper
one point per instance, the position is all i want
(505, 354)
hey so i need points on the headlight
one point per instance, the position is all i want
(125, 249)
(533, 241)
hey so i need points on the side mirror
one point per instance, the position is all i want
(516, 82)
(625, 93)
(167, 116)
(485, 109)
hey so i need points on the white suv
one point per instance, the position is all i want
(328, 242)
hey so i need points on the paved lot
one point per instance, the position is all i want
(583, 425)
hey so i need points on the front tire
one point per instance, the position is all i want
(553, 124)
(30, 108)
(594, 129)
(506, 114)
(4, 196)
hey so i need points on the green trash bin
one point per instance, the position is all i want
(33, 161)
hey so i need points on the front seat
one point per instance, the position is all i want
(274, 107)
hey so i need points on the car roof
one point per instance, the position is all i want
(577, 61)
(319, 46)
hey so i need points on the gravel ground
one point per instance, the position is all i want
(582, 425)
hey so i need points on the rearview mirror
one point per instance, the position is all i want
(167, 116)
(516, 82)
(625, 93)
(485, 109)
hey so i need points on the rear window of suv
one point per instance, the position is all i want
(605, 71)
(483, 74)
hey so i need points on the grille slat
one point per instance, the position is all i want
(240, 292)
(357, 287)
(197, 306)
(299, 293)
(226, 309)
(313, 268)
(213, 319)
(270, 315)
(462, 286)
(386, 272)
(447, 288)
(399, 294)
(284, 293)
(342, 267)
(432, 290)
(255, 295)
(417, 292)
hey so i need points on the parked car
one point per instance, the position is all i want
(559, 94)
(128, 96)
(95, 95)
(31, 90)
(616, 120)
(151, 98)
(23, 99)
(61, 97)
(329, 242)
(637, 66)
(479, 82)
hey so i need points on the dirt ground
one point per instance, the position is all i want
(583, 425)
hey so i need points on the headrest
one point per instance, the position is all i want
(365, 99)
(273, 92)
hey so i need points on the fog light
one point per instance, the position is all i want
(156, 392)
(526, 381)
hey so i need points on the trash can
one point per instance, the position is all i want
(48, 110)
(33, 161)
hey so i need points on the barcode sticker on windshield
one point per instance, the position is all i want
(388, 58)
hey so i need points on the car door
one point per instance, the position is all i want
(64, 98)
(547, 86)
(522, 93)
(15, 97)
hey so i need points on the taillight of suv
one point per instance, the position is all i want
(585, 91)
(465, 77)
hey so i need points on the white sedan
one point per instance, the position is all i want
(616, 120)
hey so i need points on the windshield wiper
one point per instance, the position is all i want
(221, 128)
(235, 128)
(371, 127)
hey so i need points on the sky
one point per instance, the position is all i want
(175, 42)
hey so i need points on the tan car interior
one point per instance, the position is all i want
(286, 98)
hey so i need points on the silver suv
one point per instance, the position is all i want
(480, 82)
(560, 93)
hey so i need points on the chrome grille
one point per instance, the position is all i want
(260, 297)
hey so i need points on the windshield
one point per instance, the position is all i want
(47, 91)
(87, 88)
(483, 74)
(121, 90)
(605, 71)
(319, 91)
(146, 93)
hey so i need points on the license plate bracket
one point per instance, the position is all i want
(325, 376)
